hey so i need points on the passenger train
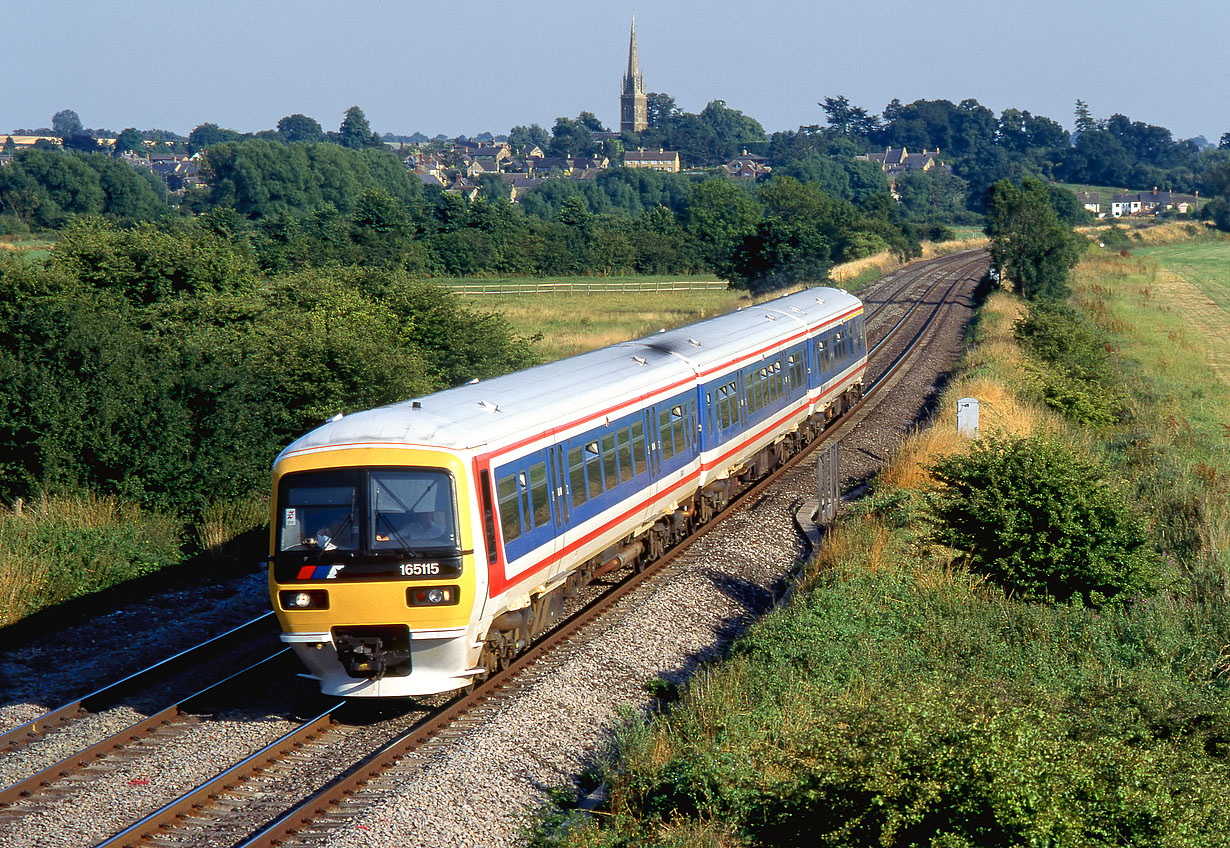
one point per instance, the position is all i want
(416, 548)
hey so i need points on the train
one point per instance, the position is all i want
(417, 548)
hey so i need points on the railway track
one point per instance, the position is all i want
(228, 809)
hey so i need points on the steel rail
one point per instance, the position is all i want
(24, 734)
(30, 786)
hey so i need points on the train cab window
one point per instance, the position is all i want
(576, 476)
(319, 517)
(593, 469)
(610, 470)
(410, 510)
(510, 512)
(623, 442)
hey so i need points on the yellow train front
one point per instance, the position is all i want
(372, 572)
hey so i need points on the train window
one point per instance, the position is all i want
(712, 411)
(539, 494)
(624, 442)
(639, 463)
(609, 468)
(410, 510)
(664, 434)
(484, 491)
(510, 513)
(839, 347)
(821, 359)
(724, 406)
(576, 476)
(319, 517)
(679, 428)
(796, 370)
(593, 469)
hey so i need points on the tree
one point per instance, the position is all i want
(208, 134)
(9, 145)
(845, 119)
(521, 137)
(571, 138)
(66, 123)
(1224, 144)
(590, 121)
(80, 142)
(300, 128)
(1030, 246)
(355, 132)
(661, 109)
(1084, 122)
(129, 139)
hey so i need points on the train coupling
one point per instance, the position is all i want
(372, 652)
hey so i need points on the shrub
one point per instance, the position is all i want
(1042, 521)
(1078, 364)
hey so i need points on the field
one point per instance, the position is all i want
(35, 247)
(576, 323)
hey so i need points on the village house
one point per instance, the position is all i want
(896, 159)
(1152, 203)
(748, 166)
(660, 160)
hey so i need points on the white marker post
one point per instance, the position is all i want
(967, 418)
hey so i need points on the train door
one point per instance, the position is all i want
(560, 492)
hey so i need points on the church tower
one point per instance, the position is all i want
(633, 105)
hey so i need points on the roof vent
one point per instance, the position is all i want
(693, 343)
(640, 360)
(770, 316)
(337, 417)
(472, 382)
(819, 300)
(414, 404)
(489, 406)
(796, 309)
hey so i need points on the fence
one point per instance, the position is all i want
(580, 286)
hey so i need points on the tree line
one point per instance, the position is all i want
(157, 363)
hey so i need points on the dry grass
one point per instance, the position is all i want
(223, 522)
(887, 262)
(995, 370)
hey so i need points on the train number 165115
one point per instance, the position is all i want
(420, 569)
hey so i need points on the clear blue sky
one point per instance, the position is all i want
(450, 67)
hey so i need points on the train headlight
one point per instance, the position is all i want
(306, 599)
(432, 596)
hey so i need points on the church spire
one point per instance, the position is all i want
(633, 84)
(633, 104)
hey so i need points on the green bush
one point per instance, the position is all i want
(1043, 522)
(1076, 373)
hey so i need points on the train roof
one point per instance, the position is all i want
(558, 394)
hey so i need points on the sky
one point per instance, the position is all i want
(467, 67)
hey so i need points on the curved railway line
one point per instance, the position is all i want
(255, 801)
